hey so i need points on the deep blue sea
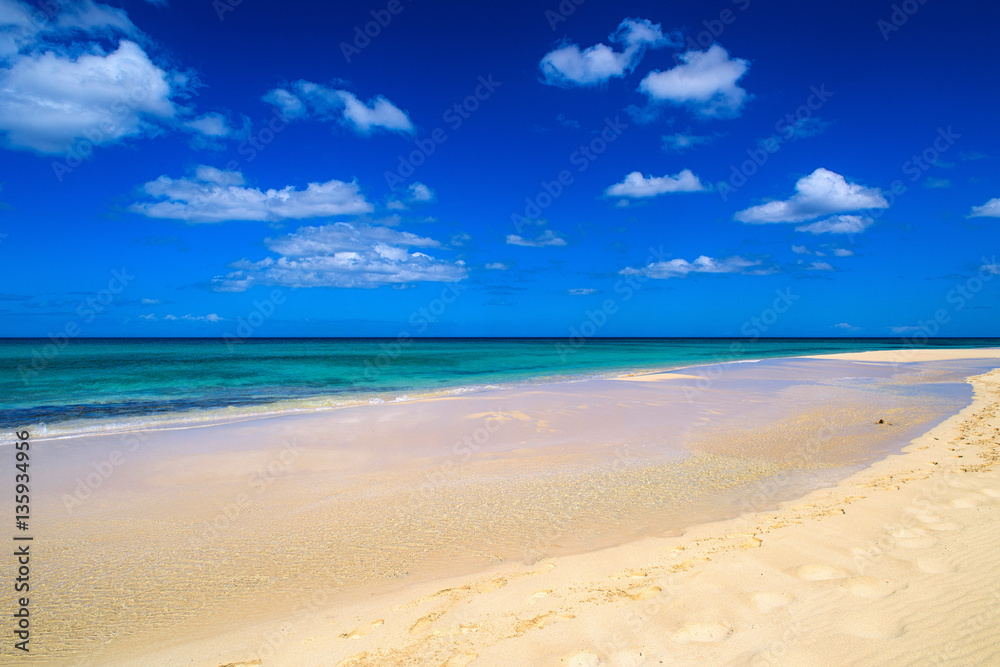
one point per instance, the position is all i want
(111, 384)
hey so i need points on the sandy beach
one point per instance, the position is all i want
(783, 526)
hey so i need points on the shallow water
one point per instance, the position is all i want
(112, 384)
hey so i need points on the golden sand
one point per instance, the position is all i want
(282, 552)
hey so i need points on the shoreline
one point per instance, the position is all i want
(176, 421)
(459, 615)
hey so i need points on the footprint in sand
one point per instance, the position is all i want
(966, 503)
(870, 624)
(870, 588)
(702, 632)
(540, 622)
(424, 622)
(767, 601)
(818, 572)
(912, 538)
(362, 631)
(644, 593)
(460, 660)
(491, 585)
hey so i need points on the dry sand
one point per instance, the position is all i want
(896, 564)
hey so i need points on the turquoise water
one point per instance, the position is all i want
(100, 384)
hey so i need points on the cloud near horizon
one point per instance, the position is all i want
(679, 268)
(343, 255)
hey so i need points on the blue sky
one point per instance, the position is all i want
(732, 168)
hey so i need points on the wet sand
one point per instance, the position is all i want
(309, 539)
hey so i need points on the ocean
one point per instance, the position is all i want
(112, 384)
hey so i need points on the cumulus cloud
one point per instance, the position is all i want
(846, 326)
(548, 238)
(822, 192)
(679, 268)
(497, 266)
(843, 252)
(820, 266)
(343, 255)
(50, 99)
(569, 65)
(838, 224)
(705, 82)
(306, 99)
(214, 195)
(990, 209)
(635, 185)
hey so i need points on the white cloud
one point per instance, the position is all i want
(822, 192)
(820, 266)
(211, 317)
(548, 238)
(312, 99)
(149, 316)
(460, 239)
(991, 268)
(636, 185)
(679, 142)
(568, 65)
(705, 82)
(497, 266)
(843, 252)
(990, 209)
(678, 268)
(838, 224)
(150, 302)
(213, 195)
(50, 99)
(846, 327)
(210, 125)
(800, 250)
(343, 255)
(417, 193)
(581, 291)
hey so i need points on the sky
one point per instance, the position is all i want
(577, 168)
